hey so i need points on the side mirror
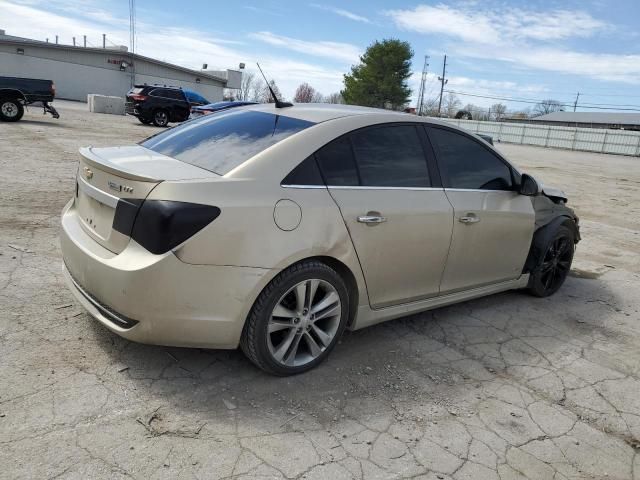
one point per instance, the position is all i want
(528, 186)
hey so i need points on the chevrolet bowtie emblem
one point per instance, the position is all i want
(88, 174)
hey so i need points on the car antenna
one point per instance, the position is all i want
(278, 102)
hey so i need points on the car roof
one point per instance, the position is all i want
(322, 112)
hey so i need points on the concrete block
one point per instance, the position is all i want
(105, 104)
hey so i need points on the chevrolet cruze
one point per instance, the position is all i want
(277, 228)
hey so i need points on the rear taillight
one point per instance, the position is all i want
(161, 225)
(53, 89)
(138, 98)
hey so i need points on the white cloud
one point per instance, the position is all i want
(524, 38)
(343, 13)
(601, 66)
(492, 26)
(182, 46)
(442, 19)
(343, 52)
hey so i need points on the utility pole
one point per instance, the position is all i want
(422, 85)
(443, 82)
(132, 40)
(575, 104)
(104, 40)
(85, 41)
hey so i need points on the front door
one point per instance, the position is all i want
(493, 225)
(399, 223)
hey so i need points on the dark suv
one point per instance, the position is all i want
(160, 105)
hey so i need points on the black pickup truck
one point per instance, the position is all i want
(16, 93)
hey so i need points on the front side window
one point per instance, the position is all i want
(221, 142)
(390, 156)
(465, 163)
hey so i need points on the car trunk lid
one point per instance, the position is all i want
(112, 183)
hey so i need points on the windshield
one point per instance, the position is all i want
(221, 142)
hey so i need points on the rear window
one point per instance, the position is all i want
(136, 90)
(221, 142)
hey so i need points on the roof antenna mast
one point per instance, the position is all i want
(278, 102)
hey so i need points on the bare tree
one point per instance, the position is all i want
(430, 107)
(547, 106)
(257, 89)
(305, 93)
(451, 103)
(335, 97)
(266, 96)
(499, 111)
(247, 86)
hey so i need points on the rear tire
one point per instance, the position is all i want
(297, 319)
(553, 261)
(11, 110)
(160, 118)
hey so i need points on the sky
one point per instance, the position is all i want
(516, 50)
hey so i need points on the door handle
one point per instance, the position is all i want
(371, 219)
(469, 218)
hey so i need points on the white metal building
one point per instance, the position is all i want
(78, 71)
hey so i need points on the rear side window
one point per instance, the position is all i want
(167, 93)
(223, 141)
(337, 163)
(390, 156)
(467, 164)
(306, 173)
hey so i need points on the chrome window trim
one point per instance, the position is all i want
(97, 194)
(475, 190)
(368, 187)
(303, 186)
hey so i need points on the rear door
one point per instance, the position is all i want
(399, 219)
(493, 224)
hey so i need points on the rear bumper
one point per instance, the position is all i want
(158, 299)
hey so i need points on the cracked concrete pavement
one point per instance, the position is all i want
(505, 387)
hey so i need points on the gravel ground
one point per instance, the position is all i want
(506, 387)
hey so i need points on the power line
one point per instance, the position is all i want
(636, 108)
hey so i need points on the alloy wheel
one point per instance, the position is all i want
(304, 322)
(557, 262)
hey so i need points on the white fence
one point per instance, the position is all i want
(599, 140)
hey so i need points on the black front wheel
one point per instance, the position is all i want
(11, 110)
(553, 263)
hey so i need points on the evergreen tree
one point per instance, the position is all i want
(380, 80)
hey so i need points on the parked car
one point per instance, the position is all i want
(160, 105)
(16, 93)
(217, 107)
(277, 228)
(194, 98)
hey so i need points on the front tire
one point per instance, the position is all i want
(160, 118)
(11, 110)
(297, 319)
(553, 262)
